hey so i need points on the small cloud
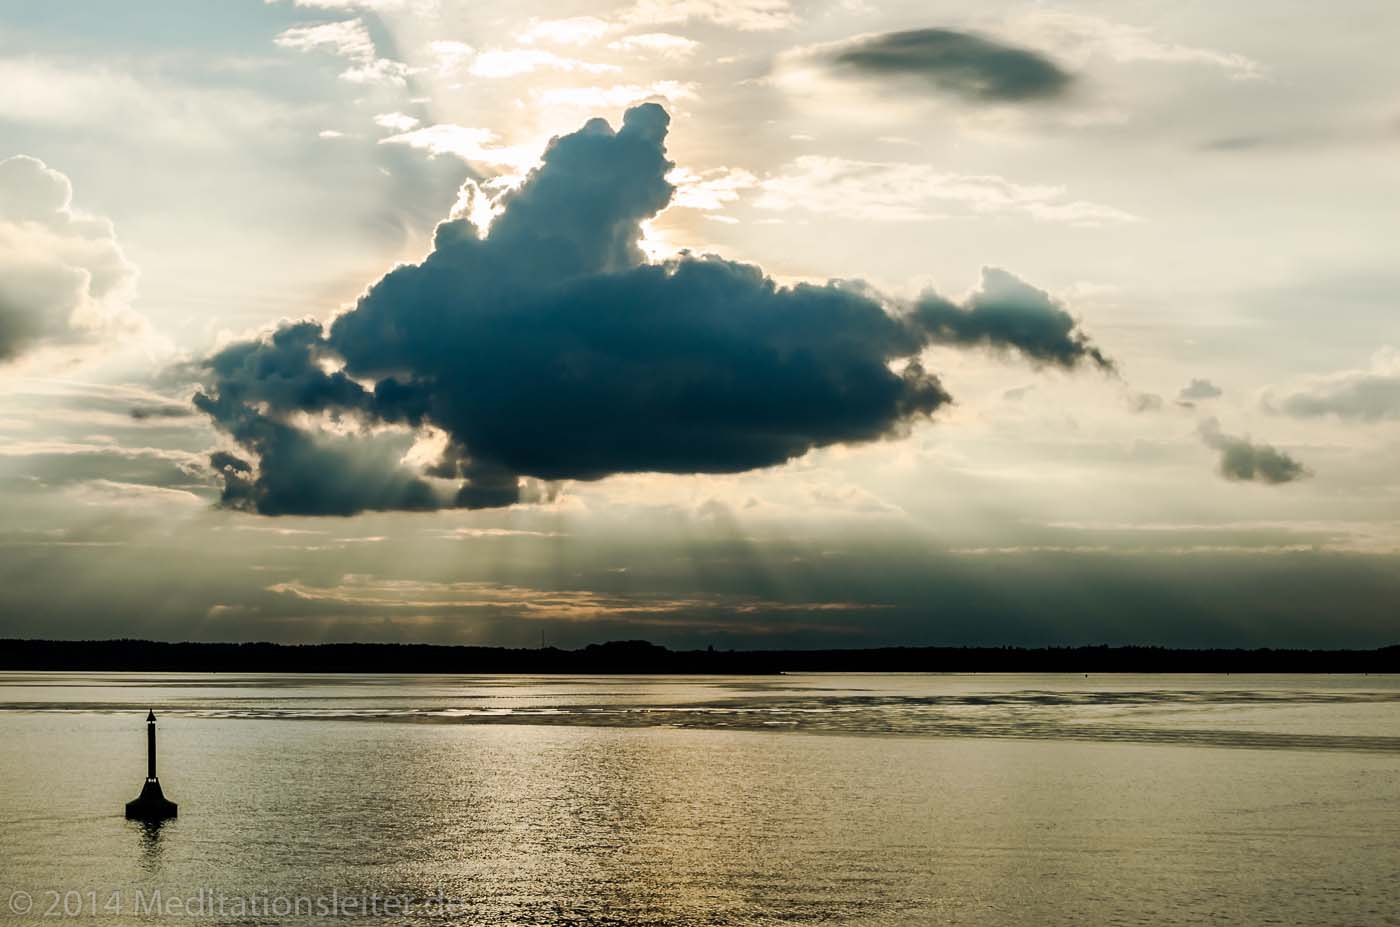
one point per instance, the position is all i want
(1350, 132)
(1006, 313)
(171, 410)
(975, 68)
(1199, 389)
(1364, 395)
(1245, 461)
(1145, 402)
(398, 122)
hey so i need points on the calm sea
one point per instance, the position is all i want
(905, 799)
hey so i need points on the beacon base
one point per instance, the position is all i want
(151, 804)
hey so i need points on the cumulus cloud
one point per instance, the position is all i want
(550, 349)
(975, 68)
(1199, 389)
(1366, 395)
(63, 277)
(1243, 460)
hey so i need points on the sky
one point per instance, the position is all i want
(744, 323)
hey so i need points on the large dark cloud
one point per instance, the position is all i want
(550, 349)
(974, 67)
(1242, 459)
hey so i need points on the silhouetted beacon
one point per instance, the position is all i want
(151, 804)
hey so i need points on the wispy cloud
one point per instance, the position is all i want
(1079, 38)
(348, 39)
(526, 602)
(472, 144)
(378, 6)
(710, 189)
(745, 15)
(617, 95)
(515, 61)
(903, 192)
(113, 492)
(661, 44)
(461, 534)
(576, 30)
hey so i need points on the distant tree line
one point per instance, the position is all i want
(643, 657)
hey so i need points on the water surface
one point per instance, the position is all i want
(846, 799)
